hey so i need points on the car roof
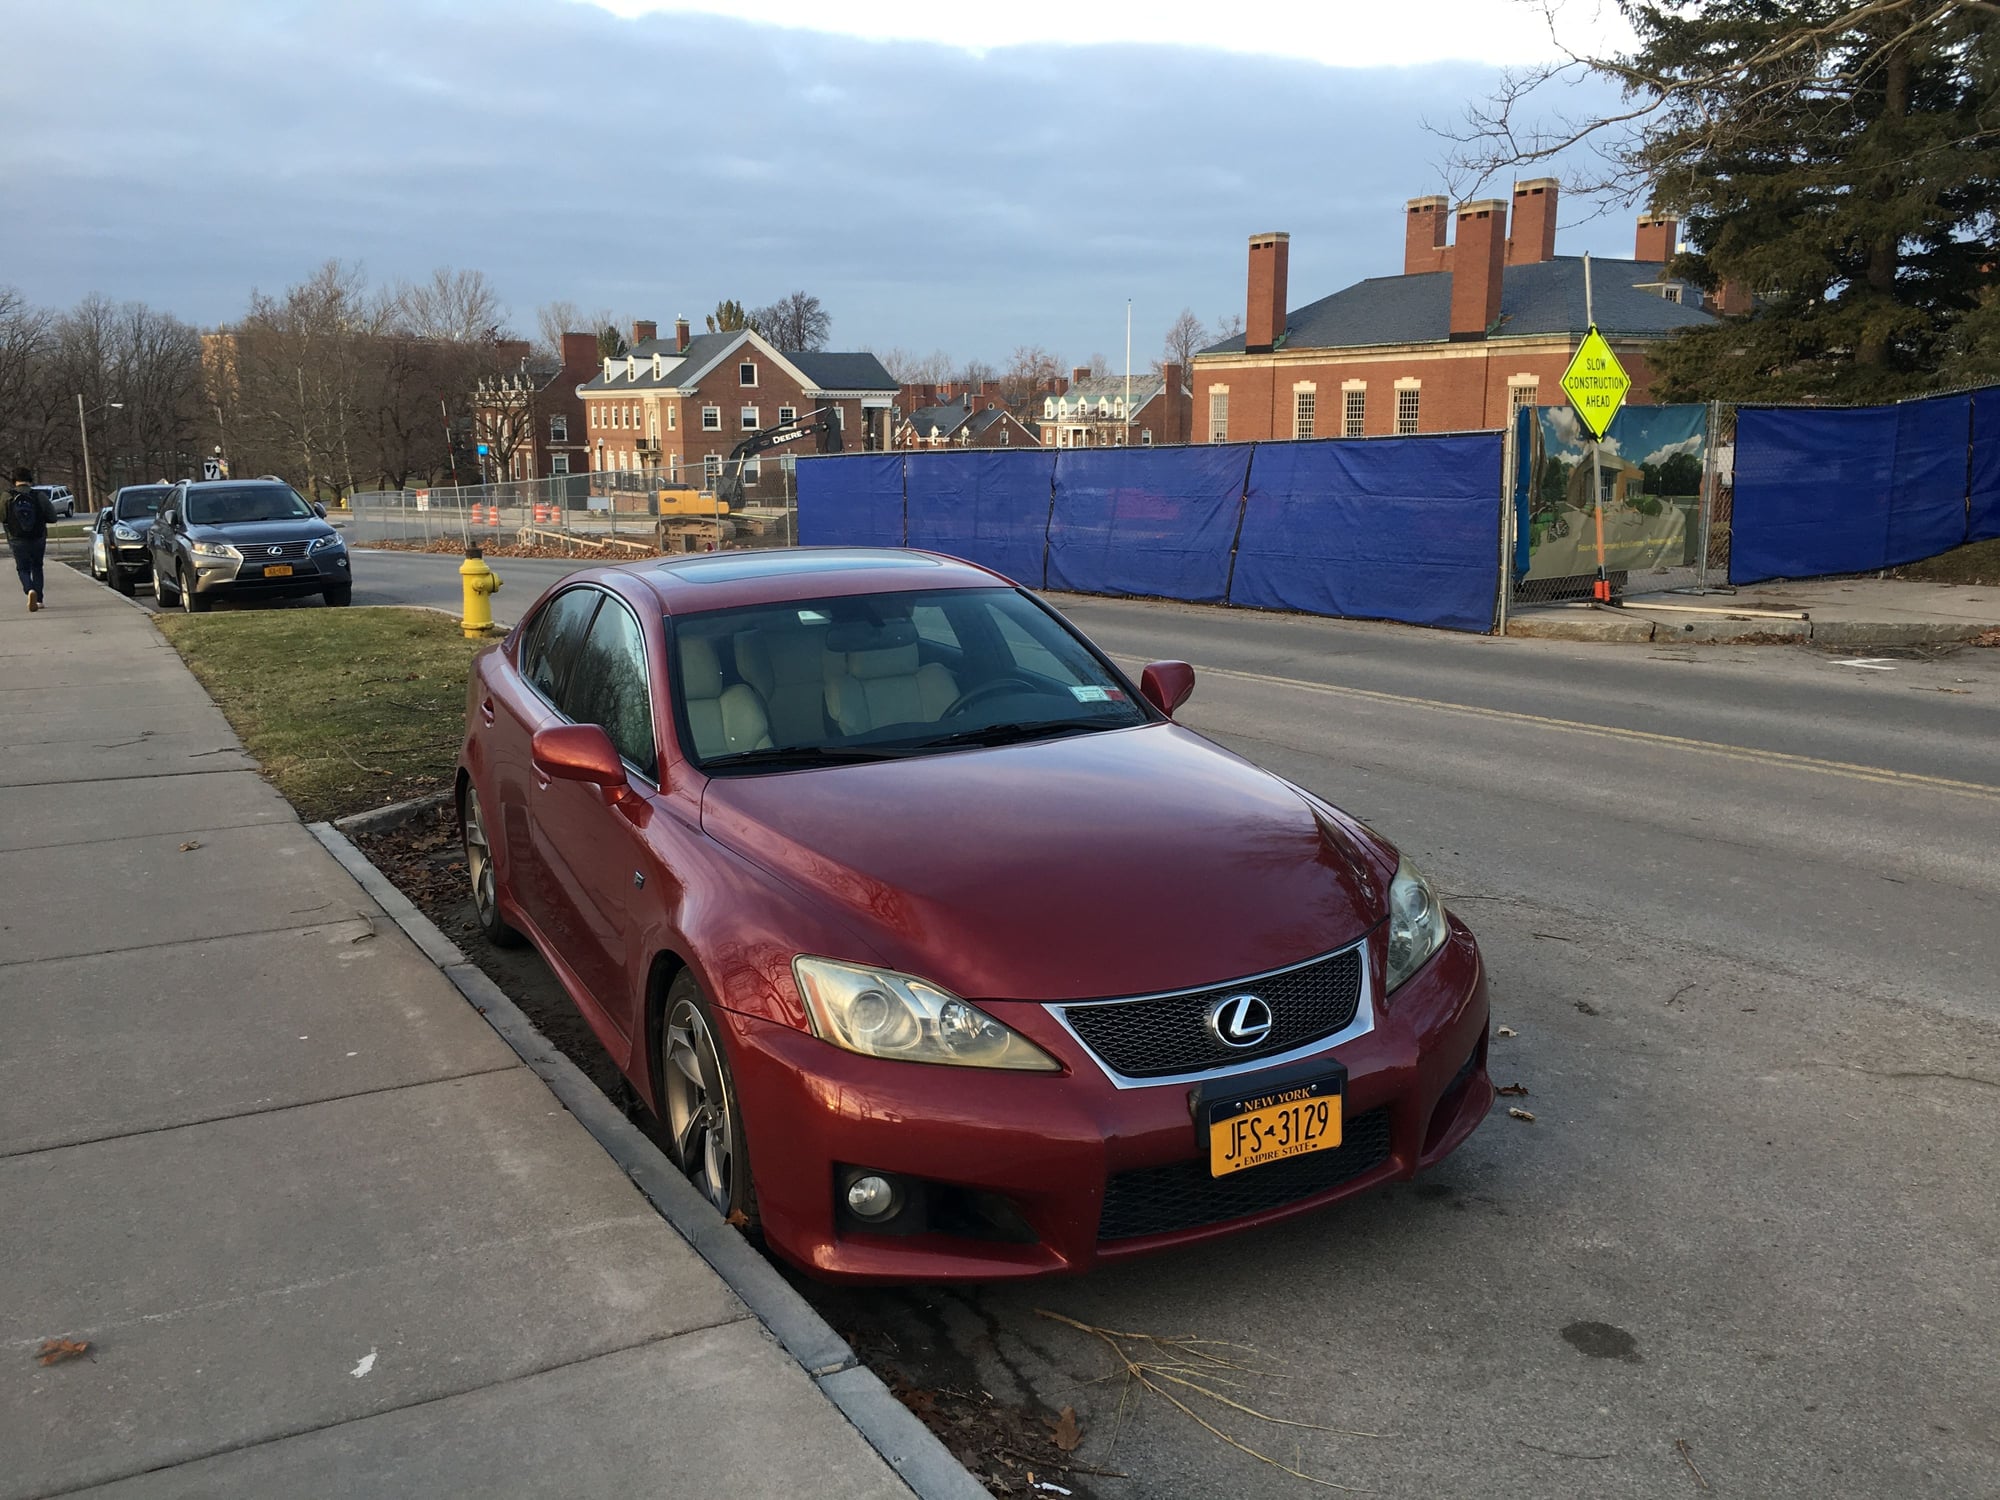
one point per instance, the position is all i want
(228, 484)
(727, 580)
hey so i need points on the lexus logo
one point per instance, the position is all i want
(1240, 1020)
(276, 551)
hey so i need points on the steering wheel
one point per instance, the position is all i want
(984, 691)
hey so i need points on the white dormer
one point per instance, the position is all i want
(631, 367)
(1049, 406)
(656, 366)
(607, 367)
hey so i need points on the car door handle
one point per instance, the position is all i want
(486, 712)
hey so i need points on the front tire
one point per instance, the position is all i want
(163, 587)
(480, 870)
(191, 602)
(340, 595)
(698, 1104)
(123, 581)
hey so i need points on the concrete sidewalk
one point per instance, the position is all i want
(324, 1232)
(1844, 613)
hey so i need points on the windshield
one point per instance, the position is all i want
(140, 501)
(245, 502)
(880, 676)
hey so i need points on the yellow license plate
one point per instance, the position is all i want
(1291, 1121)
(278, 570)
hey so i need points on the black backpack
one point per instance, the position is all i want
(24, 516)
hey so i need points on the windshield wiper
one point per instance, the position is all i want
(1014, 733)
(797, 756)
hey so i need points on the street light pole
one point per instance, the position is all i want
(83, 432)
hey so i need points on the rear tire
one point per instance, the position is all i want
(698, 1107)
(477, 844)
(340, 595)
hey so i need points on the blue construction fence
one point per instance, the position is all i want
(1857, 489)
(1405, 529)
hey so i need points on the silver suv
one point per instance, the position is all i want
(244, 539)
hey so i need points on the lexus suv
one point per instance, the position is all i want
(244, 539)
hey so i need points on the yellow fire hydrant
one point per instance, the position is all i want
(480, 581)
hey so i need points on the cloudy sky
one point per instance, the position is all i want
(967, 178)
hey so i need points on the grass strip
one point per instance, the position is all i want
(345, 709)
(1976, 562)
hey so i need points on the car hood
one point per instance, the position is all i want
(1119, 863)
(252, 533)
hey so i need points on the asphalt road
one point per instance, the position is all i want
(1738, 905)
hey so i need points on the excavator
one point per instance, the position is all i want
(690, 517)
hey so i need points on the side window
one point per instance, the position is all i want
(608, 686)
(553, 639)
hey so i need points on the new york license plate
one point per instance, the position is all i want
(278, 570)
(1288, 1121)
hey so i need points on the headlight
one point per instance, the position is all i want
(322, 544)
(124, 533)
(880, 1014)
(216, 549)
(1416, 924)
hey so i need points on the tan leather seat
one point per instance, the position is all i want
(867, 689)
(787, 667)
(723, 720)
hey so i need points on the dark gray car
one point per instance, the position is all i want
(245, 539)
(118, 552)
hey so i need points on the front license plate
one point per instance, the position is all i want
(1289, 1121)
(278, 570)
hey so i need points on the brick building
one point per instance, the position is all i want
(1471, 331)
(1091, 412)
(681, 404)
(530, 417)
(968, 422)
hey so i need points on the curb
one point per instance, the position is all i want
(1637, 629)
(395, 815)
(920, 1460)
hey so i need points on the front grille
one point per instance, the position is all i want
(1161, 1200)
(263, 552)
(1169, 1033)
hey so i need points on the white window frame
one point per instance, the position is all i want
(1218, 432)
(711, 468)
(787, 414)
(751, 469)
(672, 407)
(748, 417)
(1353, 408)
(751, 367)
(711, 419)
(1409, 407)
(558, 464)
(559, 428)
(1305, 414)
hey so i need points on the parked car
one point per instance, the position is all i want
(244, 539)
(59, 498)
(938, 947)
(118, 553)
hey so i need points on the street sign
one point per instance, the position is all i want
(1596, 383)
(482, 450)
(211, 468)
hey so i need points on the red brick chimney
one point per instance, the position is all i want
(1658, 237)
(1478, 261)
(1177, 411)
(1534, 235)
(1078, 374)
(579, 354)
(1264, 318)
(1425, 222)
(1733, 300)
(680, 334)
(643, 329)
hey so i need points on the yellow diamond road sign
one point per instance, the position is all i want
(1596, 383)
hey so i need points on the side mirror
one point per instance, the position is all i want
(580, 752)
(1167, 685)
(319, 510)
(170, 518)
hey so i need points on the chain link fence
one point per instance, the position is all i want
(616, 511)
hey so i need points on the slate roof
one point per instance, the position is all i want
(1110, 388)
(826, 372)
(1540, 299)
(948, 419)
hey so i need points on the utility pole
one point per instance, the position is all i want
(1601, 590)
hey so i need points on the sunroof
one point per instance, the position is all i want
(726, 567)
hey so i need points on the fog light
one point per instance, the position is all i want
(872, 1197)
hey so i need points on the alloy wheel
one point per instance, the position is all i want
(479, 858)
(699, 1109)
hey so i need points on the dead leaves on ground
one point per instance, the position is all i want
(56, 1351)
(1064, 1432)
(1525, 1115)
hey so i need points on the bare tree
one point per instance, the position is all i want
(975, 372)
(1099, 367)
(795, 322)
(1029, 369)
(1227, 326)
(454, 306)
(554, 319)
(1185, 338)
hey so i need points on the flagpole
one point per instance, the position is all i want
(1128, 372)
(1601, 591)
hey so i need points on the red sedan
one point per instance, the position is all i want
(938, 947)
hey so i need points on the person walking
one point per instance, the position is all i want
(27, 516)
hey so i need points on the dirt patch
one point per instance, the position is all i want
(1009, 1446)
(490, 548)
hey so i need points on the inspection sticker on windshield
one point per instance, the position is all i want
(1085, 693)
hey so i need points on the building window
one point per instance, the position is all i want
(1218, 416)
(711, 468)
(1003, 434)
(672, 407)
(750, 470)
(748, 417)
(1409, 405)
(1521, 393)
(558, 429)
(1145, 437)
(787, 415)
(1356, 397)
(1302, 414)
(746, 373)
(711, 419)
(653, 423)
(558, 463)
